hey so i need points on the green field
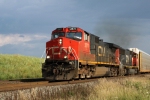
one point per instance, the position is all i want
(19, 66)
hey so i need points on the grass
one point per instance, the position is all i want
(123, 89)
(19, 66)
(137, 88)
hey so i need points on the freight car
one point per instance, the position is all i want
(142, 61)
(75, 53)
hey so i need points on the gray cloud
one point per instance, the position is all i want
(34, 47)
(26, 17)
(19, 39)
(34, 16)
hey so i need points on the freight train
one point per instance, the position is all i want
(75, 53)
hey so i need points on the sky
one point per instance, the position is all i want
(26, 25)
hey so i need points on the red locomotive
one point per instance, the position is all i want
(74, 53)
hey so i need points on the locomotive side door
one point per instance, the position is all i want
(85, 53)
(86, 43)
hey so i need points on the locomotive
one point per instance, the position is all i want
(75, 53)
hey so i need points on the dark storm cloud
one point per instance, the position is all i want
(32, 16)
(42, 16)
(117, 8)
(27, 16)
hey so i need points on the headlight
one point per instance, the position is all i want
(48, 57)
(60, 41)
(65, 57)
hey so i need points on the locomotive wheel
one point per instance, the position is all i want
(113, 71)
(122, 72)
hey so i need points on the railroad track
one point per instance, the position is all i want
(29, 80)
(21, 84)
(16, 85)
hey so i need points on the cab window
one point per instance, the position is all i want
(58, 34)
(86, 36)
(74, 35)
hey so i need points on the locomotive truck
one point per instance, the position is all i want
(75, 53)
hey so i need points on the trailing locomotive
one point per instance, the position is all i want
(74, 53)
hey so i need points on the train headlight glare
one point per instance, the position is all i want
(60, 41)
(48, 57)
(65, 57)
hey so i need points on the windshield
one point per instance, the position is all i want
(58, 34)
(74, 35)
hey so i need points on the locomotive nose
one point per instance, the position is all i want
(57, 51)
